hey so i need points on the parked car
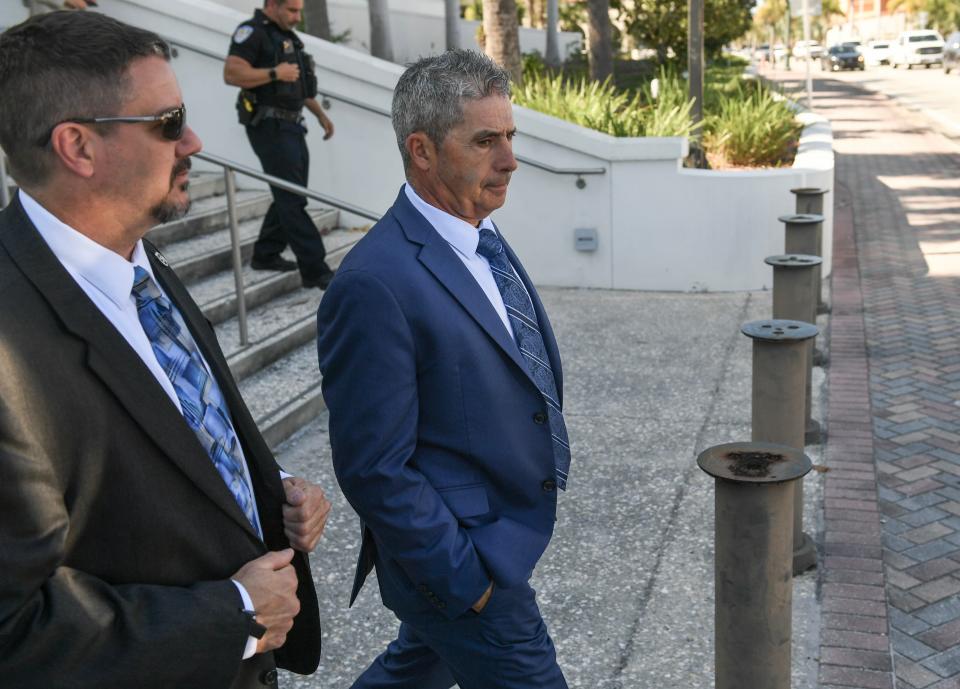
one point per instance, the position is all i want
(762, 52)
(877, 53)
(917, 48)
(842, 56)
(951, 52)
(810, 49)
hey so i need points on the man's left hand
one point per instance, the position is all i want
(305, 514)
(327, 125)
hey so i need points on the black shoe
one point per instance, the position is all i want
(273, 263)
(322, 280)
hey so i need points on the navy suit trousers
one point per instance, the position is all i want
(506, 646)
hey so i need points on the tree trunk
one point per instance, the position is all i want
(452, 17)
(600, 37)
(380, 43)
(552, 56)
(502, 33)
(315, 18)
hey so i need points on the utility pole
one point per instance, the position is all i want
(695, 71)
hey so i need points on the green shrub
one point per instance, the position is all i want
(752, 127)
(745, 125)
(601, 106)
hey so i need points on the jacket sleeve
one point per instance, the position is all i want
(61, 626)
(368, 359)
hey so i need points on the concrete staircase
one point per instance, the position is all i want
(277, 370)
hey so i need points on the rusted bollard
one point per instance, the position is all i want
(753, 531)
(810, 200)
(794, 298)
(803, 234)
(778, 404)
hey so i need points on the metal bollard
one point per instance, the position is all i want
(754, 592)
(809, 199)
(803, 234)
(778, 404)
(794, 298)
(814, 235)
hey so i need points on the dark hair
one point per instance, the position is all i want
(57, 66)
(429, 96)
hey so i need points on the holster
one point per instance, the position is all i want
(247, 108)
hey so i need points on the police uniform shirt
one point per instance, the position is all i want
(264, 45)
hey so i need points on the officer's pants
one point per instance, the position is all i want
(283, 153)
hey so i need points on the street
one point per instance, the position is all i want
(930, 92)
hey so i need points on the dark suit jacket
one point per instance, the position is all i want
(117, 534)
(437, 428)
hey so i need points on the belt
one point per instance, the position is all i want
(280, 113)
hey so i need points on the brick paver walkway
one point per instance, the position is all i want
(891, 574)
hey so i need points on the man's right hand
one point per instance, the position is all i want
(271, 582)
(287, 71)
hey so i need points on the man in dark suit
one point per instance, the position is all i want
(442, 377)
(146, 537)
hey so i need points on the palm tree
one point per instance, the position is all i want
(315, 19)
(600, 38)
(552, 56)
(502, 36)
(380, 43)
(452, 23)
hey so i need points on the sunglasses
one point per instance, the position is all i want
(172, 123)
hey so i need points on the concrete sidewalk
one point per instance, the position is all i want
(626, 585)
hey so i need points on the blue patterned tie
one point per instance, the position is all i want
(526, 329)
(200, 398)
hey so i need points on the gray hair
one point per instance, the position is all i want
(58, 66)
(430, 95)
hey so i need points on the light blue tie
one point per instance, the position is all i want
(200, 398)
(526, 329)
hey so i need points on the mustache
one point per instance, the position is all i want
(183, 165)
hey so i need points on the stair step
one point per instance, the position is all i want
(293, 416)
(267, 351)
(264, 322)
(283, 384)
(205, 255)
(217, 293)
(206, 184)
(208, 215)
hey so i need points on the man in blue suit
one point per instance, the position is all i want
(442, 377)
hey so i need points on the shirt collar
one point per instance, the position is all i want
(460, 234)
(106, 270)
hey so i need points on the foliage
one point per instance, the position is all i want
(944, 15)
(751, 124)
(603, 107)
(662, 24)
(745, 123)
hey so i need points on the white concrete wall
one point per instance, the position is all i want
(660, 227)
(417, 28)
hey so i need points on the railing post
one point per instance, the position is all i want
(778, 403)
(794, 299)
(231, 188)
(754, 592)
(809, 201)
(4, 182)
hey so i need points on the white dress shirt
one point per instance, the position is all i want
(464, 238)
(107, 279)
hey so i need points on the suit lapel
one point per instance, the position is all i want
(437, 256)
(111, 358)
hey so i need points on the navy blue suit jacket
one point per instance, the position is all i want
(436, 426)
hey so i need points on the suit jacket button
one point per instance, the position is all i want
(540, 417)
(549, 485)
(268, 677)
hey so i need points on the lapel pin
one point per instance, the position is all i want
(160, 257)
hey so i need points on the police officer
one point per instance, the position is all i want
(277, 78)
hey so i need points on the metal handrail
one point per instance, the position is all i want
(230, 168)
(328, 95)
(4, 184)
